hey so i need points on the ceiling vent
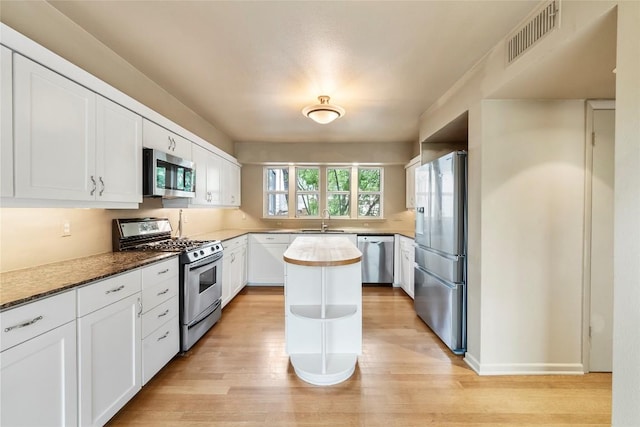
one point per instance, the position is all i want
(540, 23)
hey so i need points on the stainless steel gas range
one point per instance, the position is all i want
(200, 271)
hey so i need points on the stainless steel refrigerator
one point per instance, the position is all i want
(441, 247)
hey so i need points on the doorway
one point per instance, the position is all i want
(599, 234)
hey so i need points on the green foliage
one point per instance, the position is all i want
(369, 179)
(308, 179)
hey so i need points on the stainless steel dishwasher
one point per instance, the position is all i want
(377, 258)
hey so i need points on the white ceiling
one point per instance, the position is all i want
(249, 67)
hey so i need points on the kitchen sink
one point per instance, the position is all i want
(317, 230)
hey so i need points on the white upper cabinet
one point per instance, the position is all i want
(70, 143)
(55, 138)
(207, 176)
(230, 183)
(119, 153)
(155, 136)
(6, 123)
(410, 172)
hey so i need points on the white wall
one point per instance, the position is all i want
(531, 191)
(626, 337)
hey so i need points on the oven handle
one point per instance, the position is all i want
(205, 261)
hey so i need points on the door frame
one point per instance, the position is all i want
(590, 106)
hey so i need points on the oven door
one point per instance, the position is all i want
(202, 286)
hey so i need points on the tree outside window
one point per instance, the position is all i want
(369, 192)
(307, 191)
(338, 191)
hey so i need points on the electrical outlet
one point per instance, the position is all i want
(185, 218)
(66, 228)
(244, 216)
(366, 224)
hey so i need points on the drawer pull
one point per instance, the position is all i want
(119, 288)
(139, 307)
(163, 292)
(166, 334)
(22, 325)
(163, 314)
(166, 270)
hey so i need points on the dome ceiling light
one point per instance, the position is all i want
(324, 112)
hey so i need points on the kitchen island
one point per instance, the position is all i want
(323, 308)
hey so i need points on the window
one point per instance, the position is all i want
(369, 192)
(276, 191)
(307, 191)
(348, 192)
(338, 191)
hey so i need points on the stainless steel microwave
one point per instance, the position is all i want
(165, 175)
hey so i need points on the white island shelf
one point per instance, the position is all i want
(323, 308)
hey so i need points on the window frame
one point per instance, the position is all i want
(323, 193)
(380, 192)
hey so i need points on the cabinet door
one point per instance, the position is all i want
(226, 279)
(155, 136)
(109, 359)
(6, 122)
(236, 271)
(214, 172)
(267, 264)
(231, 184)
(54, 135)
(407, 271)
(118, 150)
(243, 266)
(200, 158)
(39, 385)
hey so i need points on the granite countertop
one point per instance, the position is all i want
(233, 233)
(21, 286)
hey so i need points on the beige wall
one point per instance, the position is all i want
(387, 153)
(42, 23)
(33, 236)
(530, 214)
(626, 287)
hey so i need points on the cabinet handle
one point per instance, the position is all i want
(163, 292)
(166, 270)
(22, 325)
(269, 238)
(163, 314)
(166, 334)
(93, 181)
(119, 288)
(102, 184)
(140, 307)
(233, 257)
(169, 138)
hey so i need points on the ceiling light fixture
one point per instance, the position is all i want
(324, 112)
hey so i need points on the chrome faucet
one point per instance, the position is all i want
(325, 227)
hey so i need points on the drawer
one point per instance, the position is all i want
(25, 322)
(270, 238)
(159, 348)
(104, 292)
(160, 271)
(234, 243)
(158, 293)
(152, 319)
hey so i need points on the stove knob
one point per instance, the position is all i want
(201, 252)
(195, 254)
(217, 246)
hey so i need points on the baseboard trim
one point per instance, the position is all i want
(523, 368)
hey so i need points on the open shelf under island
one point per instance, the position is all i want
(323, 308)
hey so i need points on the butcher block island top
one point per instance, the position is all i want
(323, 308)
(322, 251)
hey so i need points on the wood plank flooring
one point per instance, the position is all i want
(239, 375)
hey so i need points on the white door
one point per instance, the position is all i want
(38, 385)
(54, 134)
(119, 151)
(109, 360)
(200, 158)
(601, 326)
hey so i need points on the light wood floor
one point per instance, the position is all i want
(239, 375)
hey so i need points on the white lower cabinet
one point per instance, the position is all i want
(160, 330)
(38, 370)
(267, 265)
(234, 268)
(407, 257)
(109, 346)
